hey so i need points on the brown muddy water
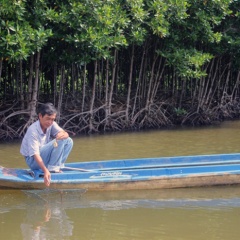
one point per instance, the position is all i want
(170, 214)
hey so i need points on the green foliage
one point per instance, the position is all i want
(193, 35)
(19, 38)
(91, 29)
(200, 25)
(180, 111)
(163, 13)
(187, 62)
(230, 28)
(137, 16)
(190, 32)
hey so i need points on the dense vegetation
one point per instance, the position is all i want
(117, 65)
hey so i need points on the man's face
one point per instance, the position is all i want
(46, 121)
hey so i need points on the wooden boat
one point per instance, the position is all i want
(129, 174)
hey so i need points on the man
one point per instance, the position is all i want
(45, 145)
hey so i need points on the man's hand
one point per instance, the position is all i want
(47, 177)
(47, 174)
(62, 135)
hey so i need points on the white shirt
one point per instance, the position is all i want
(35, 138)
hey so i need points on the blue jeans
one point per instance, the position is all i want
(53, 157)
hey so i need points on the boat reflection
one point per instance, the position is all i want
(54, 201)
(208, 198)
(57, 200)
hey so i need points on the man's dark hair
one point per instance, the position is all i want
(47, 108)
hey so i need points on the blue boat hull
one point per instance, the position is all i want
(129, 174)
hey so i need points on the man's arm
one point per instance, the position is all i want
(47, 174)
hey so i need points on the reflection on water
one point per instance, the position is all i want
(209, 197)
(46, 222)
(44, 212)
(182, 214)
(153, 214)
(46, 217)
(43, 200)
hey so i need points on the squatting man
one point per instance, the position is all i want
(46, 145)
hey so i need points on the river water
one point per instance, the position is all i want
(170, 214)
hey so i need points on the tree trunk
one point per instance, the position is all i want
(91, 127)
(21, 84)
(160, 71)
(129, 87)
(235, 88)
(212, 78)
(73, 78)
(84, 87)
(139, 81)
(1, 61)
(111, 87)
(54, 83)
(106, 90)
(33, 103)
(217, 85)
(30, 80)
(150, 83)
(61, 92)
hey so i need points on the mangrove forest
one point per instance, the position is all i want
(118, 65)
